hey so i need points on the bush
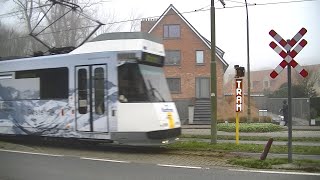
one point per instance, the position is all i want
(249, 127)
(245, 120)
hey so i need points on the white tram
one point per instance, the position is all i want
(112, 89)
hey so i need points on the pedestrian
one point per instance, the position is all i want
(284, 111)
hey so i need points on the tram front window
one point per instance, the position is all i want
(142, 83)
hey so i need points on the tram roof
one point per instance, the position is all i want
(123, 41)
(126, 35)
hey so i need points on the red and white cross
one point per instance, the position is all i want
(288, 56)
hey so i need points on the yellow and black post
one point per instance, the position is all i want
(239, 97)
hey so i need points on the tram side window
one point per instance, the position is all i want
(82, 91)
(99, 90)
(53, 82)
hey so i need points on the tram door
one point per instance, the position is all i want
(91, 93)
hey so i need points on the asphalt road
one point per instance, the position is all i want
(36, 166)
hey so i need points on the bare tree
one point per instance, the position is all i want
(309, 83)
(135, 21)
(62, 24)
(10, 43)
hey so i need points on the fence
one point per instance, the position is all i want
(300, 107)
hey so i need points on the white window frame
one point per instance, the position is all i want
(199, 56)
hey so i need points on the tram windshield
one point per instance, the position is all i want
(142, 83)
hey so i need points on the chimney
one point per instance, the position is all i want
(146, 24)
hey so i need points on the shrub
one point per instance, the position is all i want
(245, 120)
(249, 127)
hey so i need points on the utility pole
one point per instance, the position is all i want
(248, 67)
(213, 95)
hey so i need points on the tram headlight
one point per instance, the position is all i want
(165, 142)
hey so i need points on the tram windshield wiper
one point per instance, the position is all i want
(154, 90)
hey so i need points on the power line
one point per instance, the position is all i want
(265, 4)
(154, 17)
(111, 23)
(239, 2)
(21, 11)
(201, 9)
(65, 30)
(283, 2)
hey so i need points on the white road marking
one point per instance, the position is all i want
(106, 160)
(277, 172)
(33, 153)
(178, 166)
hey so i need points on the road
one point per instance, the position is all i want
(18, 165)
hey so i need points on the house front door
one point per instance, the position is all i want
(202, 88)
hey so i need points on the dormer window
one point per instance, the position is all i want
(171, 31)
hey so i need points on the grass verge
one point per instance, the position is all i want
(231, 147)
(253, 138)
(277, 163)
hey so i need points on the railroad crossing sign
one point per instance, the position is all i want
(287, 54)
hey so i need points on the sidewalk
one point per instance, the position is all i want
(205, 126)
(295, 133)
(283, 143)
(298, 131)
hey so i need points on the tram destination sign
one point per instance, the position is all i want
(152, 59)
(146, 58)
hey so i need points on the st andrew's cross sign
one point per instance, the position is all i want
(287, 54)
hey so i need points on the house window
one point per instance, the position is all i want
(272, 83)
(173, 57)
(199, 57)
(174, 85)
(171, 31)
(265, 84)
(255, 84)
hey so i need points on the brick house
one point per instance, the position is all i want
(187, 64)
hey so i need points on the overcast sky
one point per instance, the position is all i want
(286, 19)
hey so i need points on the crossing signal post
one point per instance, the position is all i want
(288, 54)
(240, 71)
